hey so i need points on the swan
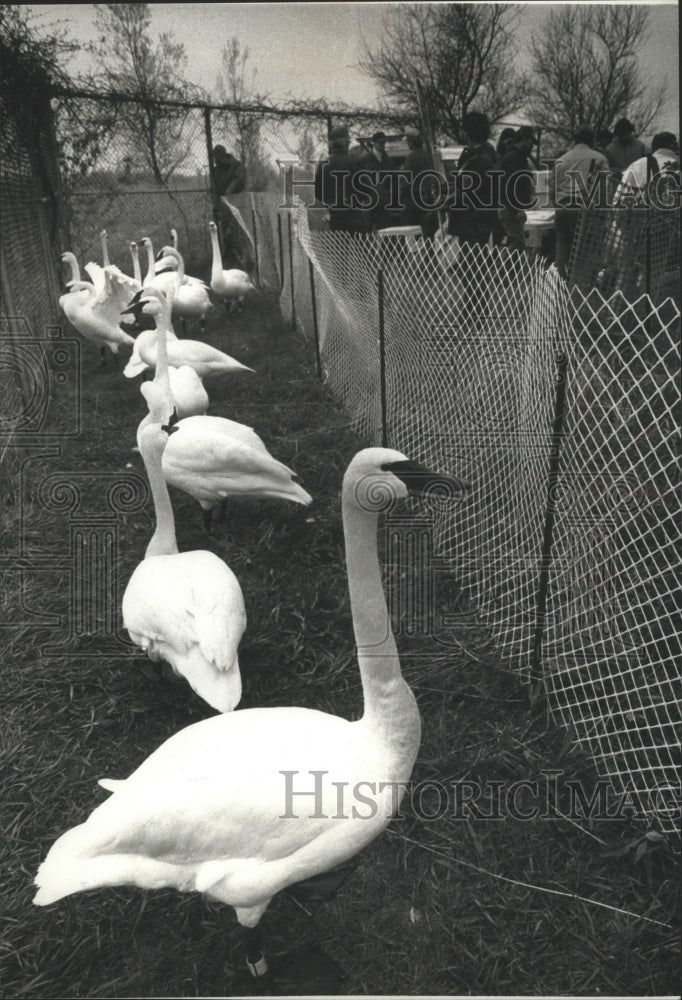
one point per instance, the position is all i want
(190, 299)
(213, 458)
(165, 263)
(209, 810)
(206, 361)
(187, 389)
(186, 608)
(90, 312)
(232, 285)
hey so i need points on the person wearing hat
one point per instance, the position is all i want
(379, 165)
(334, 183)
(574, 174)
(415, 163)
(625, 148)
(517, 192)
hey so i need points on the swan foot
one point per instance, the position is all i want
(308, 971)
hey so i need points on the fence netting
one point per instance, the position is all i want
(476, 341)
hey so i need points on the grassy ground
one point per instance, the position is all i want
(448, 906)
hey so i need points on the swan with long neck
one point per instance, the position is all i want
(213, 458)
(215, 809)
(206, 361)
(230, 285)
(190, 298)
(184, 608)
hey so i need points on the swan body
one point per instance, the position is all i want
(212, 458)
(186, 608)
(191, 398)
(91, 313)
(190, 297)
(230, 285)
(208, 810)
(206, 361)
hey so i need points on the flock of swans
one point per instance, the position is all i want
(206, 811)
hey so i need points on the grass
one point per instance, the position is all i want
(554, 905)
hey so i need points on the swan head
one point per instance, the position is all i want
(148, 302)
(377, 478)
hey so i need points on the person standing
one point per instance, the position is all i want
(416, 196)
(625, 148)
(228, 172)
(333, 184)
(571, 184)
(474, 211)
(518, 190)
(377, 161)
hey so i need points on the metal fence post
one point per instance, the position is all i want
(316, 331)
(382, 359)
(280, 244)
(291, 272)
(255, 241)
(548, 534)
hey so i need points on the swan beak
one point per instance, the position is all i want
(419, 480)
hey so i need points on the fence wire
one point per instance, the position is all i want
(476, 340)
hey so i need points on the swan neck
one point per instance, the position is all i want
(217, 263)
(137, 273)
(105, 250)
(163, 542)
(387, 696)
(150, 261)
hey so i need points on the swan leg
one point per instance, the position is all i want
(103, 356)
(222, 511)
(208, 518)
(255, 959)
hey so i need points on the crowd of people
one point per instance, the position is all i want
(364, 189)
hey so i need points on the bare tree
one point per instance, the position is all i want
(586, 72)
(438, 61)
(236, 86)
(131, 64)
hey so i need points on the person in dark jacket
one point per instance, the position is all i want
(334, 187)
(473, 213)
(380, 165)
(228, 172)
(415, 197)
(517, 188)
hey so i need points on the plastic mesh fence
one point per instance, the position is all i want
(632, 249)
(474, 341)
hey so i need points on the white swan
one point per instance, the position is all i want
(185, 608)
(189, 394)
(91, 312)
(166, 263)
(230, 285)
(190, 298)
(209, 809)
(213, 458)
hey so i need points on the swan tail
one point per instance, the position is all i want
(111, 784)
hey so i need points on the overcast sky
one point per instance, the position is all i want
(309, 50)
